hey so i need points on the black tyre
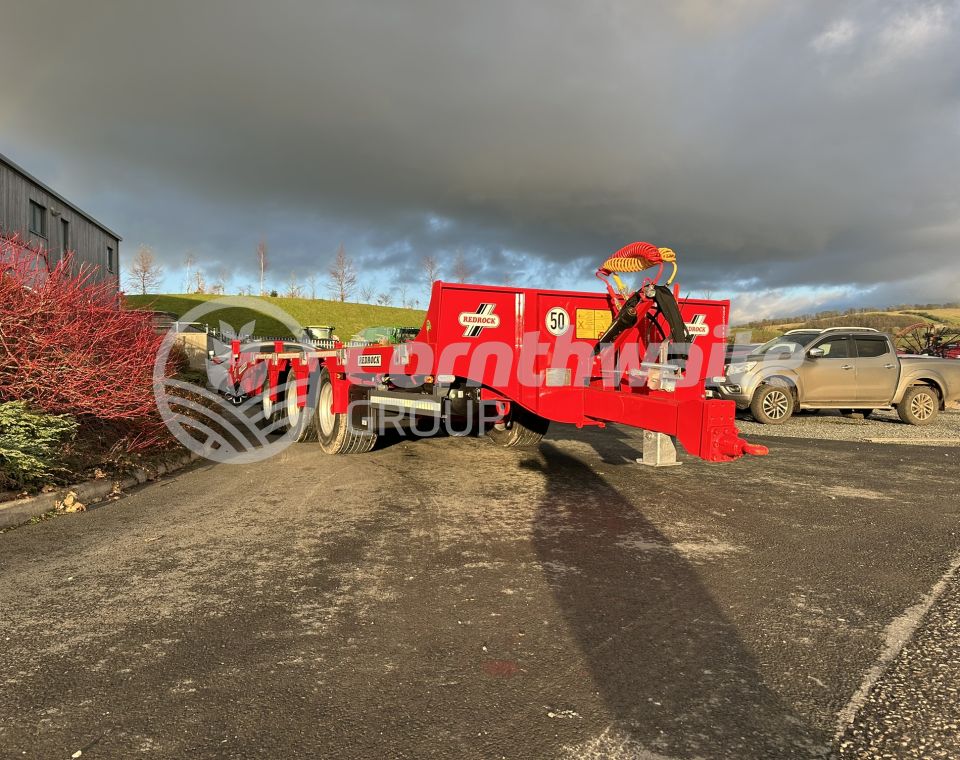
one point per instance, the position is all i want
(334, 431)
(299, 421)
(521, 429)
(919, 406)
(772, 404)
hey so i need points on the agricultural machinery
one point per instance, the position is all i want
(515, 359)
(929, 339)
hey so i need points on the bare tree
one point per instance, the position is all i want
(199, 282)
(461, 270)
(366, 293)
(145, 273)
(403, 295)
(262, 261)
(189, 262)
(343, 276)
(312, 285)
(293, 287)
(431, 270)
(384, 299)
(219, 286)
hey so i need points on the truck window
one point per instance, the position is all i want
(868, 348)
(835, 348)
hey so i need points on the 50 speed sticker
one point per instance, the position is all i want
(557, 321)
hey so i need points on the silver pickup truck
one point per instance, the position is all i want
(851, 368)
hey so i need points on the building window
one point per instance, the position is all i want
(64, 237)
(38, 219)
(111, 260)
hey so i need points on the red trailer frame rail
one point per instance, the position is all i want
(517, 359)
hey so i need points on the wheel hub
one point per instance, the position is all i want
(325, 410)
(922, 406)
(293, 409)
(775, 405)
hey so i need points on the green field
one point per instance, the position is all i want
(945, 316)
(346, 318)
(888, 321)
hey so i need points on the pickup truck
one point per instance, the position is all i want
(849, 368)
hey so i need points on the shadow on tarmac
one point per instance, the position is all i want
(669, 666)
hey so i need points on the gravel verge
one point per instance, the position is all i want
(880, 427)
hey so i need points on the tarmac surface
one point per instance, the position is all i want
(446, 598)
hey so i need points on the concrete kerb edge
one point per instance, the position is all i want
(90, 492)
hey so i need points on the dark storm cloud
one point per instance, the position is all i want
(772, 145)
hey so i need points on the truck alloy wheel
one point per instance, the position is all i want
(772, 404)
(919, 405)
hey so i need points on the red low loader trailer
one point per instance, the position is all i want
(515, 359)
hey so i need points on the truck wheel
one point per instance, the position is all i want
(919, 405)
(334, 431)
(298, 421)
(772, 404)
(521, 429)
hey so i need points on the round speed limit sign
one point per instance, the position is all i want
(557, 321)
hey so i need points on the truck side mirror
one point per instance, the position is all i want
(815, 353)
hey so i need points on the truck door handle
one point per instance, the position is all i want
(889, 366)
(846, 366)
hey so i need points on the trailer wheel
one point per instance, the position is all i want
(268, 405)
(334, 431)
(521, 429)
(298, 420)
(919, 405)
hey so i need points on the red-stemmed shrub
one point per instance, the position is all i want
(67, 346)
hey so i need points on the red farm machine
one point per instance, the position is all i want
(929, 339)
(514, 359)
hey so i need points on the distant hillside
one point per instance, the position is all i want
(347, 318)
(889, 320)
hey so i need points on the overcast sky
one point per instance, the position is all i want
(795, 155)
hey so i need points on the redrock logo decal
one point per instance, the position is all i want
(698, 326)
(475, 321)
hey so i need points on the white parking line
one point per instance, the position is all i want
(898, 633)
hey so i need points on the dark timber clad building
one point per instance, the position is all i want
(43, 216)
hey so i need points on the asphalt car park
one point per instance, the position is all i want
(448, 598)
